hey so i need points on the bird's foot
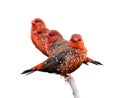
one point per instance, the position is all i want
(68, 76)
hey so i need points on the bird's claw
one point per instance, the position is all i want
(68, 76)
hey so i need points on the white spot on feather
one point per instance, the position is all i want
(45, 62)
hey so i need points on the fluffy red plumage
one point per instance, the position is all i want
(38, 31)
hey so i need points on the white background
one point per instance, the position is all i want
(98, 21)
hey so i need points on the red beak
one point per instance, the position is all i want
(75, 39)
(47, 35)
(35, 32)
(33, 22)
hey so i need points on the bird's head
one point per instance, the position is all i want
(76, 41)
(76, 38)
(53, 36)
(38, 22)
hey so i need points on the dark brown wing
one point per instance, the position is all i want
(56, 59)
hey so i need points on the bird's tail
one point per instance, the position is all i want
(33, 69)
(27, 72)
(87, 59)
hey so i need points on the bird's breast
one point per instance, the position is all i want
(74, 59)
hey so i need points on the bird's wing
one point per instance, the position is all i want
(57, 58)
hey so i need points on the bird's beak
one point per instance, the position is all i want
(47, 35)
(35, 32)
(32, 22)
(47, 32)
(75, 39)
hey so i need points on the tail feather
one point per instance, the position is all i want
(87, 59)
(27, 72)
(33, 69)
(97, 63)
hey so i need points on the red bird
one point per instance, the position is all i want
(55, 39)
(38, 23)
(38, 31)
(65, 59)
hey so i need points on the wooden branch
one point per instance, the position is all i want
(73, 86)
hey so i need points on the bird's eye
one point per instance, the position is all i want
(52, 34)
(37, 21)
(40, 32)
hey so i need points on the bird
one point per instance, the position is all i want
(65, 59)
(38, 29)
(55, 39)
(38, 22)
